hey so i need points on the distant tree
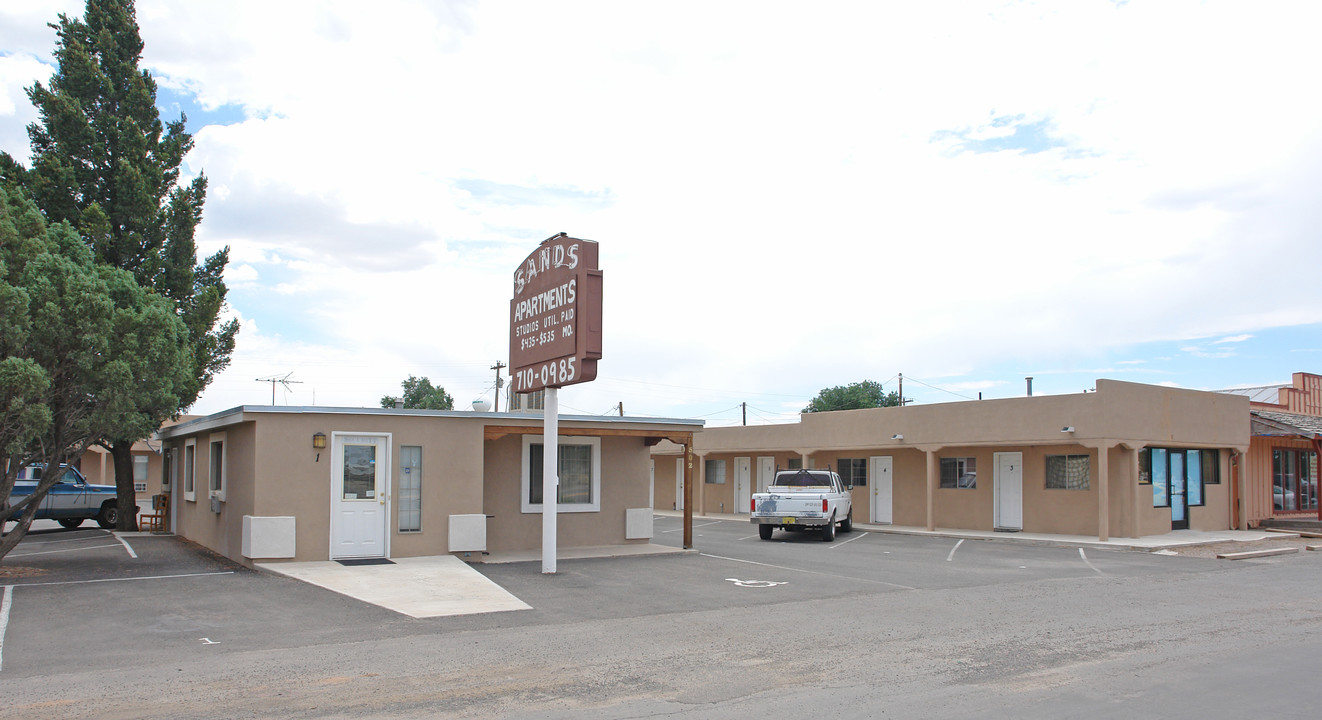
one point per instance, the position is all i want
(420, 394)
(103, 162)
(81, 344)
(866, 394)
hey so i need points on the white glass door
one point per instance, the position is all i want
(359, 491)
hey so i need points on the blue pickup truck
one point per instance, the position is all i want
(71, 500)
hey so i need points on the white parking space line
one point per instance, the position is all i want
(695, 527)
(860, 536)
(810, 572)
(30, 540)
(4, 620)
(130, 579)
(951, 556)
(125, 543)
(1085, 562)
(65, 550)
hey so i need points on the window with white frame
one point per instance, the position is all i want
(1067, 472)
(190, 469)
(579, 470)
(216, 467)
(959, 472)
(139, 473)
(715, 472)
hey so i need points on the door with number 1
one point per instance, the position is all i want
(360, 493)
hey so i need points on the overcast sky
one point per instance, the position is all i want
(787, 196)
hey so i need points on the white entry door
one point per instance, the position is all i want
(679, 483)
(360, 489)
(1008, 482)
(882, 489)
(766, 471)
(743, 484)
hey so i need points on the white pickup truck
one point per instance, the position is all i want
(801, 499)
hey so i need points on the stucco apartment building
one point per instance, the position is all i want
(259, 483)
(1126, 460)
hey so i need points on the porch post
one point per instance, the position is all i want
(933, 475)
(1136, 523)
(1103, 493)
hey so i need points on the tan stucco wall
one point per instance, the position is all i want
(222, 531)
(624, 482)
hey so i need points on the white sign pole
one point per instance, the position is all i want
(550, 476)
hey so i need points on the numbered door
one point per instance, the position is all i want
(882, 497)
(1008, 484)
(679, 483)
(359, 495)
(743, 484)
(766, 472)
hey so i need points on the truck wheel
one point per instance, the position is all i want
(764, 532)
(108, 516)
(828, 530)
(848, 524)
(70, 523)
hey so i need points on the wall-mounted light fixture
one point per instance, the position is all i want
(1067, 429)
(897, 436)
(318, 444)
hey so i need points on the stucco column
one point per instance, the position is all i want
(805, 456)
(701, 479)
(1103, 493)
(933, 477)
(1135, 520)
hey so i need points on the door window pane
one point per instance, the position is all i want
(1160, 484)
(359, 472)
(1195, 475)
(410, 488)
(1178, 506)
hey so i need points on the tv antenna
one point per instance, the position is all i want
(280, 380)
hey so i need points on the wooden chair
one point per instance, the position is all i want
(154, 521)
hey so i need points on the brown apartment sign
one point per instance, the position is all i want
(555, 316)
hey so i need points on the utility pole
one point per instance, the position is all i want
(745, 406)
(901, 389)
(498, 367)
(621, 408)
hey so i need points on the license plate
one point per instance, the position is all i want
(787, 521)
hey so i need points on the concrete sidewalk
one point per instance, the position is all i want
(1150, 543)
(420, 587)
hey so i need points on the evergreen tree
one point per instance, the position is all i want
(103, 161)
(81, 345)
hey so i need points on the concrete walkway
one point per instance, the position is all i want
(420, 587)
(1149, 543)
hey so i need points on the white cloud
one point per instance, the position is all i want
(759, 175)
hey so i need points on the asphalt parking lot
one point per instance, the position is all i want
(107, 619)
